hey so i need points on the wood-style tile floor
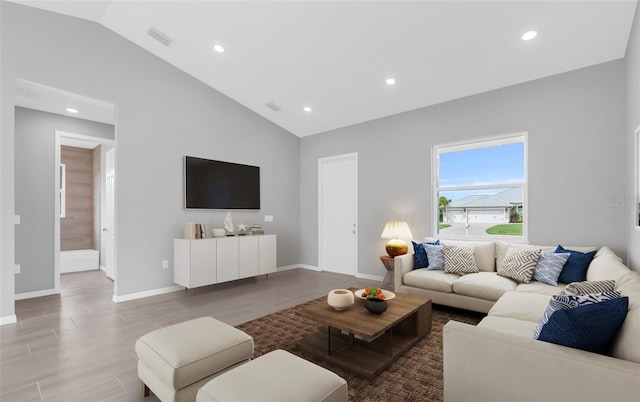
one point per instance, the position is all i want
(79, 345)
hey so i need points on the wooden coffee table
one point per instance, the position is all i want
(360, 341)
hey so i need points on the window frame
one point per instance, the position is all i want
(472, 143)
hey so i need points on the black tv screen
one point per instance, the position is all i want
(212, 184)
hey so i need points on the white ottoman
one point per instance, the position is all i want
(175, 361)
(277, 376)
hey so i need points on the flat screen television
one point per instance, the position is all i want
(210, 184)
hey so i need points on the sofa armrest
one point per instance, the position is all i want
(481, 364)
(401, 265)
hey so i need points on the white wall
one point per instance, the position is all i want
(576, 126)
(632, 60)
(162, 115)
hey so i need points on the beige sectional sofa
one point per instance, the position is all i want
(498, 360)
(475, 292)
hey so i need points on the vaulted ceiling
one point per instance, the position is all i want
(335, 57)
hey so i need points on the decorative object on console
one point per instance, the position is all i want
(396, 231)
(242, 229)
(228, 224)
(256, 230)
(217, 232)
(340, 299)
(375, 305)
(189, 230)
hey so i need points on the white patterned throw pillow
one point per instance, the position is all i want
(549, 267)
(519, 264)
(459, 260)
(563, 302)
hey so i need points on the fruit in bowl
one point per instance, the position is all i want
(372, 293)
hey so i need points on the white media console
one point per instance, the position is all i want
(201, 262)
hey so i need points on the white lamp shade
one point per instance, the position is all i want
(396, 230)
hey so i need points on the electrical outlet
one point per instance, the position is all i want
(165, 264)
(16, 268)
(16, 219)
(268, 218)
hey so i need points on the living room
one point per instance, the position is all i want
(581, 152)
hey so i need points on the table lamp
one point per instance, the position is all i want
(396, 231)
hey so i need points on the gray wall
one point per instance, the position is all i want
(162, 115)
(35, 172)
(576, 125)
(632, 59)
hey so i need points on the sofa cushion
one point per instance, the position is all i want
(484, 252)
(438, 281)
(606, 266)
(575, 270)
(521, 306)
(549, 267)
(459, 260)
(581, 288)
(483, 285)
(565, 302)
(589, 327)
(510, 326)
(541, 288)
(434, 255)
(519, 264)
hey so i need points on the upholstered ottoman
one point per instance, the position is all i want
(277, 376)
(175, 361)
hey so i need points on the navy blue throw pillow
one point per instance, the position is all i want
(575, 269)
(590, 327)
(419, 256)
(420, 259)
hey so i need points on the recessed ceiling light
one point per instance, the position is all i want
(390, 81)
(71, 110)
(306, 109)
(218, 48)
(529, 35)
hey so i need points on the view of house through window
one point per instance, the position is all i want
(480, 187)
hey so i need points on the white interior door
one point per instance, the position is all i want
(108, 230)
(338, 214)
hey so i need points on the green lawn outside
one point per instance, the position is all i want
(444, 225)
(514, 229)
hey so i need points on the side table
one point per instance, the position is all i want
(387, 282)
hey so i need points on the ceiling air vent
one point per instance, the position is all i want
(273, 106)
(159, 36)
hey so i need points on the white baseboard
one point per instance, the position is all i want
(146, 293)
(311, 267)
(371, 277)
(9, 319)
(287, 267)
(39, 293)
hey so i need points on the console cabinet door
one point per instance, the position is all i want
(227, 264)
(203, 262)
(268, 254)
(249, 248)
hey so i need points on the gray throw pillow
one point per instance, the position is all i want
(519, 265)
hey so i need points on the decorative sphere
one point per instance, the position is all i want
(340, 299)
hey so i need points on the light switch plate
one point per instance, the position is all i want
(16, 219)
(16, 268)
(165, 264)
(268, 218)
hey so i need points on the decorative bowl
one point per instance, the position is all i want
(375, 306)
(340, 299)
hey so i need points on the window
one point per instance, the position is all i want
(62, 190)
(480, 188)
